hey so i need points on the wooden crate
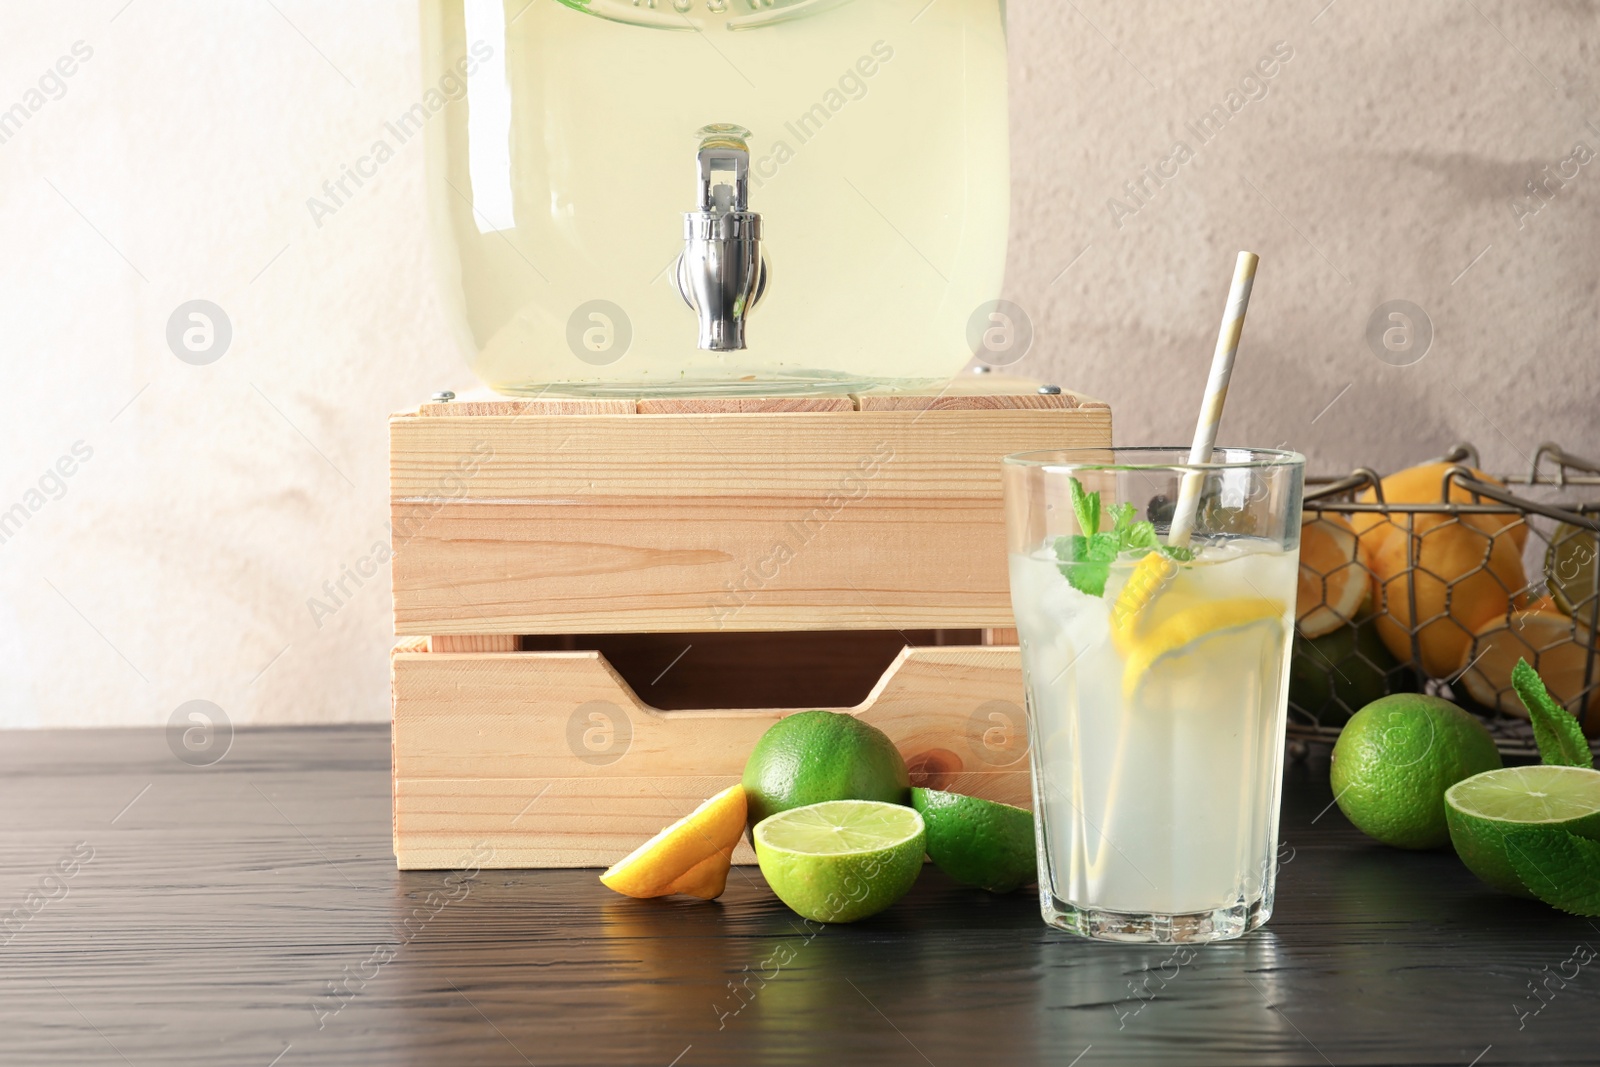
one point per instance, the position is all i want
(527, 529)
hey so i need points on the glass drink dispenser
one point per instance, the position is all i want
(635, 197)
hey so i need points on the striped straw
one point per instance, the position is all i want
(1205, 430)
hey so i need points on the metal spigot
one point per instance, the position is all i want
(721, 273)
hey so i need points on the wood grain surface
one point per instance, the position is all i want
(731, 521)
(553, 760)
(472, 643)
(221, 903)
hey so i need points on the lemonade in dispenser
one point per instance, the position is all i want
(635, 197)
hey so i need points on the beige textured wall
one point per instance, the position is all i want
(1382, 163)
(175, 562)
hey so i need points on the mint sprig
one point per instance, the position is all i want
(1557, 733)
(1086, 557)
(1559, 867)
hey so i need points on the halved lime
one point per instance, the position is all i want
(978, 842)
(1483, 809)
(841, 860)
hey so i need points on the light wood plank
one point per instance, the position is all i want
(437, 462)
(543, 823)
(578, 822)
(681, 524)
(569, 714)
(553, 761)
(704, 565)
(472, 643)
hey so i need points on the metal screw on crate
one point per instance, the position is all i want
(199, 733)
(199, 332)
(997, 733)
(443, 396)
(599, 733)
(1050, 390)
(1399, 333)
(999, 333)
(599, 332)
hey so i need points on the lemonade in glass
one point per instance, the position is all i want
(1157, 682)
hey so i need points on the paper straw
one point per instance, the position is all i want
(1205, 430)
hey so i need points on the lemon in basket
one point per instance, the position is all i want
(1424, 484)
(1438, 578)
(1440, 587)
(1557, 646)
(1335, 575)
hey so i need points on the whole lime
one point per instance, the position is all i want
(1333, 675)
(816, 756)
(978, 842)
(1395, 759)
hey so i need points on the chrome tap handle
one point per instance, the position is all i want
(723, 152)
(721, 273)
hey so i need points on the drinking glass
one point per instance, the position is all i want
(1157, 674)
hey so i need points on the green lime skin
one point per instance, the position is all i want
(978, 842)
(1332, 675)
(1395, 759)
(842, 887)
(822, 755)
(1480, 840)
(1569, 565)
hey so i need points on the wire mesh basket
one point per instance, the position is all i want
(1443, 596)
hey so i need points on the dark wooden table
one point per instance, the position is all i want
(250, 913)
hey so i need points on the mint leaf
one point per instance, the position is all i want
(1559, 867)
(1557, 732)
(1086, 561)
(1071, 548)
(1086, 506)
(1086, 557)
(1122, 517)
(1133, 536)
(1140, 535)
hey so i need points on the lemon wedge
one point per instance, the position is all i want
(1149, 576)
(1190, 626)
(691, 856)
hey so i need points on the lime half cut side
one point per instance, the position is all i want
(1483, 809)
(841, 860)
